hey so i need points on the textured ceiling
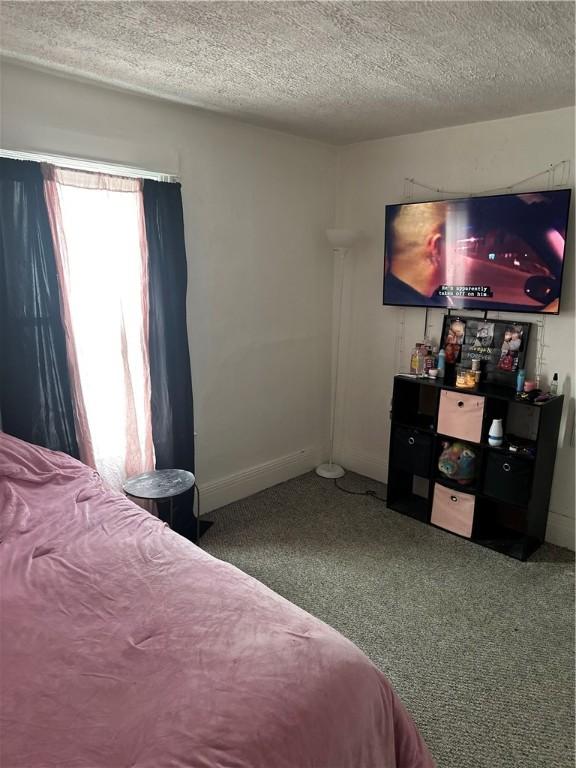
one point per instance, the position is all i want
(337, 71)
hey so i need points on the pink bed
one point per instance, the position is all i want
(125, 646)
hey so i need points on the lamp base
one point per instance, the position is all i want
(330, 471)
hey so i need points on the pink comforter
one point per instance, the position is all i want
(125, 646)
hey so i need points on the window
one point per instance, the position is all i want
(98, 229)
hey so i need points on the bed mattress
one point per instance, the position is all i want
(124, 645)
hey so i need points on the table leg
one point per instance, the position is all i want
(171, 513)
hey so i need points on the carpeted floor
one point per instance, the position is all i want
(480, 647)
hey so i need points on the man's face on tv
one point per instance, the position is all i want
(420, 246)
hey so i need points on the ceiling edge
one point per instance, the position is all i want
(66, 73)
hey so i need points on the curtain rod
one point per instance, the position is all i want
(88, 165)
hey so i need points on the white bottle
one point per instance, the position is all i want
(554, 385)
(496, 434)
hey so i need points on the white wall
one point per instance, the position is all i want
(470, 158)
(256, 204)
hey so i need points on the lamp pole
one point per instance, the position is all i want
(341, 240)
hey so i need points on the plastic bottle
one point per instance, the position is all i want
(554, 385)
(421, 359)
(429, 360)
(414, 360)
(520, 378)
(441, 364)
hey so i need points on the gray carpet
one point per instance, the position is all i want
(480, 647)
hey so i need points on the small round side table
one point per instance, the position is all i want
(162, 485)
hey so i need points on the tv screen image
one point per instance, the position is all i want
(503, 252)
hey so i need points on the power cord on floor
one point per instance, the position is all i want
(368, 492)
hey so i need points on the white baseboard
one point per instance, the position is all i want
(217, 493)
(375, 467)
(560, 530)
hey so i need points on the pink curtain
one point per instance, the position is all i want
(99, 235)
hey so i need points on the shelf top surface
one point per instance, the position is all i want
(487, 390)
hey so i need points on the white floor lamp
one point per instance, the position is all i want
(341, 241)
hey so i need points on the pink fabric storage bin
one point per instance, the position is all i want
(461, 415)
(453, 510)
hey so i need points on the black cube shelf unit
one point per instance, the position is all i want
(506, 506)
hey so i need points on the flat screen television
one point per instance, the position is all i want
(503, 252)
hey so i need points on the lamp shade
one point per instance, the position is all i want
(341, 238)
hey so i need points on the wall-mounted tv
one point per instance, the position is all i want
(504, 252)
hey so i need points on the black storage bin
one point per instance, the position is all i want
(508, 478)
(411, 451)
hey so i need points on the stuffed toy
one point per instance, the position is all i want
(458, 462)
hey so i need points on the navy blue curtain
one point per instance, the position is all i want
(172, 407)
(35, 398)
